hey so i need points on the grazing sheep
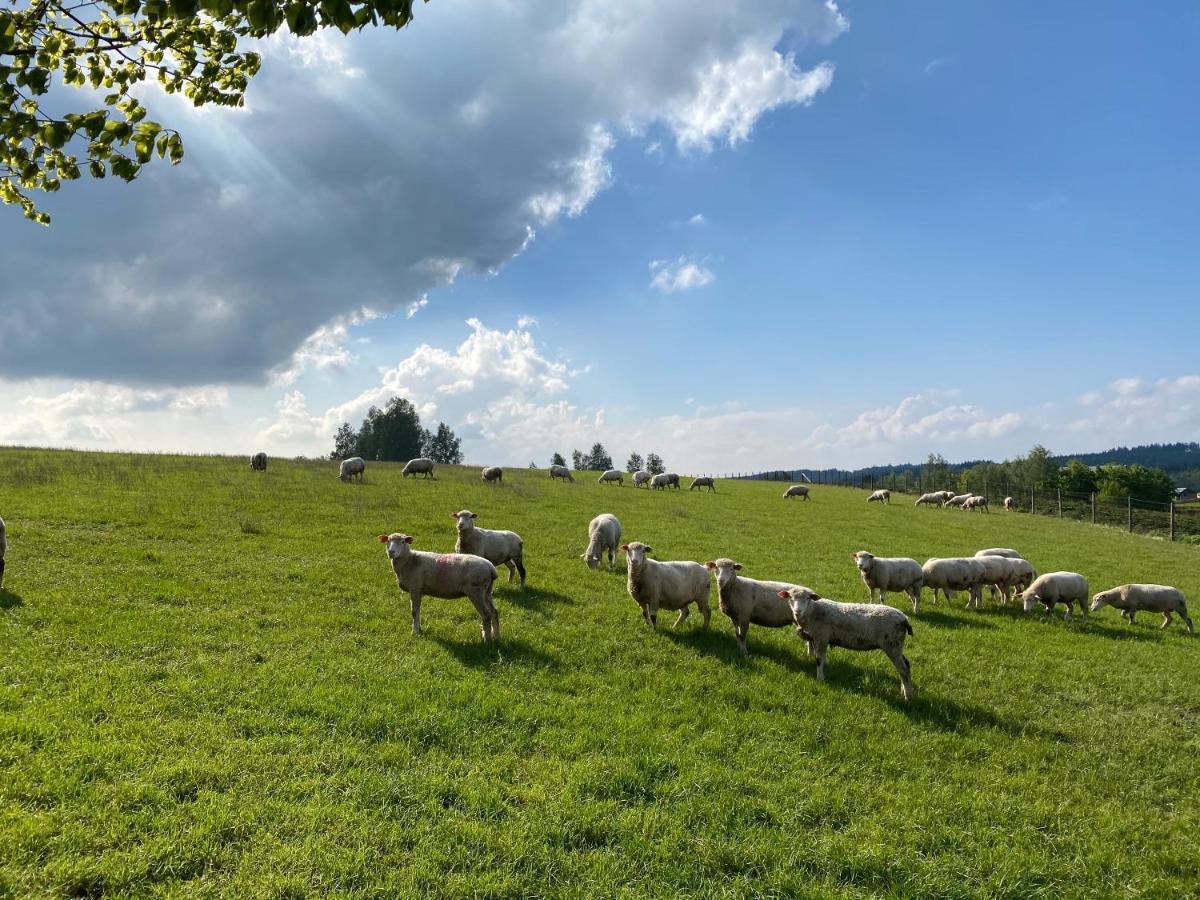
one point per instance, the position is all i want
(1019, 576)
(796, 490)
(4, 547)
(422, 465)
(1000, 551)
(497, 547)
(703, 481)
(641, 477)
(898, 573)
(1010, 505)
(749, 602)
(884, 496)
(492, 473)
(951, 575)
(976, 502)
(1067, 588)
(658, 585)
(258, 462)
(996, 574)
(1130, 599)
(561, 472)
(604, 533)
(851, 626)
(664, 481)
(444, 575)
(934, 499)
(612, 475)
(946, 495)
(351, 467)
(958, 499)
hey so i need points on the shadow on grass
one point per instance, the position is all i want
(941, 620)
(723, 646)
(476, 654)
(1128, 633)
(9, 600)
(530, 597)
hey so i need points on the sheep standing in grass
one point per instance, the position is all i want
(1130, 599)
(958, 500)
(934, 499)
(976, 503)
(1014, 576)
(658, 585)
(497, 547)
(444, 575)
(851, 626)
(422, 465)
(352, 467)
(4, 547)
(641, 477)
(1000, 551)
(1067, 588)
(604, 534)
(612, 476)
(951, 575)
(561, 472)
(703, 482)
(258, 462)
(885, 574)
(748, 601)
(492, 474)
(797, 490)
(883, 496)
(1010, 504)
(665, 480)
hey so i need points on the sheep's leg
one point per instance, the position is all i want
(1166, 619)
(512, 570)
(1129, 614)
(415, 606)
(646, 615)
(1183, 615)
(1067, 614)
(882, 595)
(741, 629)
(486, 611)
(915, 596)
(900, 661)
(702, 605)
(820, 650)
(520, 563)
(683, 614)
(654, 614)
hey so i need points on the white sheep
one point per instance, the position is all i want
(997, 573)
(664, 480)
(852, 626)
(958, 499)
(444, 575)
(641, 477)
(933, 499)
(1010, 505)
(897, 573)
(951, 575)
(258, 462)
(422, 465)
(976, 502)
(1000, 551)
(561, 472)
(491, 474)
(656, 585)
(748, 601)
(4, 547)
(881, 496)
(604, 534)
(1130, 599)
(497, 547)
(612, 476)
(946, 495)
(351, 467)
(1018, 575)
(797, 490)
(701, 482)
(1067, 588)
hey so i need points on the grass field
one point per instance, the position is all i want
(208, 687)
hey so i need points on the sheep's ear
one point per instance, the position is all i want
(624, 547)
(649, 549)
(737, 567)
(785, 595)
(383, 539)
(408, 539)
(710, 565)
(474, 515)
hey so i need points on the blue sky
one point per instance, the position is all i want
(791, 235)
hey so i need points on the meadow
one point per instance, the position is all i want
(208, 687)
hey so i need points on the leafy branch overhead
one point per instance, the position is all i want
(189, 47)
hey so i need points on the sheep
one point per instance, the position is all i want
(797, 490)
(258, 462)
(561, 472)
(1130, 599)
(946, 495)
(641, 477)
(976, 502)
(703, 481)
(1000, 551)
(658, 585)
(604, 533)
(957, 499)
(664, 481)
(1067, 588)
(1019, 576)
(748, 601)
(422, 465)
(953, 574)
(1010, 505)
(996, 574)
(497, 547)
(883, 496)
(853, 626)
(935, 499)
(612, 475)
(4, 547)
(351, 467)
(890, 574)
(492, 473)
(444, 575)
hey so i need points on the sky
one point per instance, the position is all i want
(743, 235)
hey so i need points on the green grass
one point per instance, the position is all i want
(208, 686)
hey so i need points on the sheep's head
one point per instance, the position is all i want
(636, 551)
(397, 544)
(863, 558)
(466, 519)
(1103, 599)
(592, 559)
(725, 568)
(1029, 600)
(799, 599)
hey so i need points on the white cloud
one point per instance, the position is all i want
(682, 274)
(415, 307)
(697, 219)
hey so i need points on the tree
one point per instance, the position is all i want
(392, 433)
(189, 46)
(599, 459)
(343, 442)
(634, 464)
(654, 464)
(578, 460)
(1038, 469)
(935, 474)
(1077, 478)
(557, 459)
(1139, 482)
(443, 447)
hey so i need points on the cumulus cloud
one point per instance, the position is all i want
(683, 274)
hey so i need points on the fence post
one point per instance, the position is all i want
(1172, 520)
(1093, 507)
(1032, 500)
(1129, 506)
(1059, 491)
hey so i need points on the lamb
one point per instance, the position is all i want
(604, 533)
(561, 472)
(351, 467)
(4, 547)
(1130, 599)
(664, 481)
(934, 499)
(422, 465)
(852, 626)
(797, 490)
(890, 574)
(641, 477)
(1010, 505)
(976, 502)
(884, 496)
(258, 462)
(1067, 588)
(445, 575)
(497, 547)
(703, 481)
(612, 475)
(492, 473)
(658, 585)
(953, 574)
(958, 499)
(749, 602)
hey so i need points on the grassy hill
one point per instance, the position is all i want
(208, 687)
